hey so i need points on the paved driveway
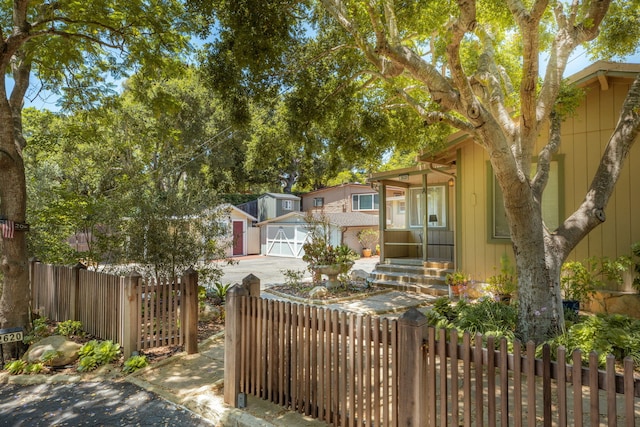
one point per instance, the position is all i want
(106, 403)
(269, 269)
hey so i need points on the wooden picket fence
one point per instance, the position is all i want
(139, 314)
(348, 369)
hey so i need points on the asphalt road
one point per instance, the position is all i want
(105, 403)
(269, 269)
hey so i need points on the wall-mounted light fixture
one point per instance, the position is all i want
(451, 182)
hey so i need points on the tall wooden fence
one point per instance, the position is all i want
(349, 369)
(139, 314)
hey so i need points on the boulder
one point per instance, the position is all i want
(318, 292)
(67, 350)
(360, 276)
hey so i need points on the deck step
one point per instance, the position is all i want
(413, 278)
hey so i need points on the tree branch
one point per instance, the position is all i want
(568, 36)
(591, 213)
(491, 79)
(539, 181)
(431, 117)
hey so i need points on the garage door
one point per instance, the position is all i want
(286, 240)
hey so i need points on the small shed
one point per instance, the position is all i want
(244, 237)
(274, 205)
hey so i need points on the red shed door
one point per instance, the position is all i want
(238, 240)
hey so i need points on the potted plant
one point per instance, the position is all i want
(322, 256)
(457, 282)
(503, 285)
(578, 285)
(368, 239)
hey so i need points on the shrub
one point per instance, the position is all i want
(40, 330)
(16, 367)
(293, 278)
(34, 368)
(368, 238)
(49, 355)
(578, 282)
(134, 363)
(220, 291)
(96, 353)
(614, 334)
(69, 328)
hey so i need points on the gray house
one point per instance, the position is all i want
(273, 205)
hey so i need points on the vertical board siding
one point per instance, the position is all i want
(98, 300)
(342, 368)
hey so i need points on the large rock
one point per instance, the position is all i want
(67, 350)
(360, 276)
(318, 292)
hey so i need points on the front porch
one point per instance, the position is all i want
(417, 228)
(417, 215)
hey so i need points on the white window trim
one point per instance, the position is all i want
(373, 201)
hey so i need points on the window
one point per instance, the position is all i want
(318, 202)
(436, 209)
(437, 206)
(551, 209)
(287, 205)
(364, 202)
(416, 210)
(396, 209)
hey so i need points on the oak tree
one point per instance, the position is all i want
(492, 69)
(74, 49)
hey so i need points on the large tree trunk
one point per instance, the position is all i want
(14, 301)
(540, 314)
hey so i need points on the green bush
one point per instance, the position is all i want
(40, 330)
(134, 363)
(69, 328)
(34, 368)
(605, 334)
(293, 278)
(48, 356)
(16, 367)
(220, 291)
(96, 353)
(486, 317)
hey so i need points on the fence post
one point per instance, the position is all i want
(252, 283)
(73, 304)
(33, 291)
(190, 302)
(232, 343)
(131, 314)
(412, 403)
